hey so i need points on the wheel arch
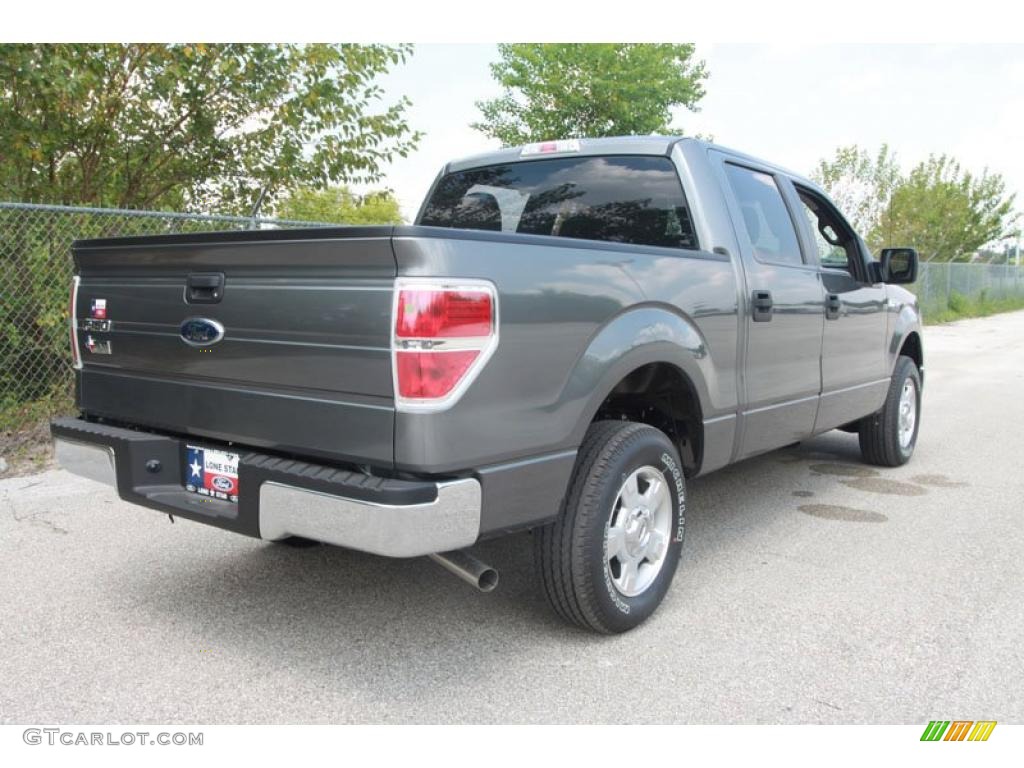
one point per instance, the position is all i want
(906, 339)
(911, 347)
(651, 365)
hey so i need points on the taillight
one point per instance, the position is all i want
(444, 332)
(430, 375)
(76, 356)
(443, 314)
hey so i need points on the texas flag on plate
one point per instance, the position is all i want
(210, 472)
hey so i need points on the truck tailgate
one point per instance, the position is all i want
(304, 364)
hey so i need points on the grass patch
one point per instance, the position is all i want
(14, 417)
(25, 432)
(959, 307)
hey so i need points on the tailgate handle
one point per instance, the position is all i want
(204, 288)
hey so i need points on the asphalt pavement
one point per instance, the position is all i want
(813, 589)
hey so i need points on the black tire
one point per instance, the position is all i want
(879, 432)
(570, 553)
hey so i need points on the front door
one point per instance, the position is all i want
(854, 363)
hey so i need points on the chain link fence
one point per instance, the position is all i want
(941, 286)
(35, 251)
(36, 380)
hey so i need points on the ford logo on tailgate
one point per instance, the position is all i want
(200, 332)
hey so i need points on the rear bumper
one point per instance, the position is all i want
(279, 497)
(450, 521)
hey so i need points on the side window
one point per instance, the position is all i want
(835, 241)
(765, 215)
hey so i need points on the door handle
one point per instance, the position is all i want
(832, 307)
(761, 305)
(204, 288)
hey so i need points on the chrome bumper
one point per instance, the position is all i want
(452, 521)
(95, 462)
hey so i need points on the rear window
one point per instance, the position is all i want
(635, 200)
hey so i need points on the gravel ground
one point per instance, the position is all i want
(813, 589)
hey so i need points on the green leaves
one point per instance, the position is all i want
(945, 212)
(948, 213)
(861, 184)
(193, 125)
(562, 91)
(338, 205)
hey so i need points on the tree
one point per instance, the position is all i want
(193, 125)
(861, 184)
(558, 91)
(940, 209)
(338, 205)
(947, 213)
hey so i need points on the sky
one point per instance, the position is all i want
(790, 104)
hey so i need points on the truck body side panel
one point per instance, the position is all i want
(567, 338)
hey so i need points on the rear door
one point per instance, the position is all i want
(303, 362)
(784, 312)
(854, 363)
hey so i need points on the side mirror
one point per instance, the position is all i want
(898, 265)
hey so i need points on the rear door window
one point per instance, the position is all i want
(619, 199)
(765, 215)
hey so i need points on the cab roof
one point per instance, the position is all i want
(611, 145)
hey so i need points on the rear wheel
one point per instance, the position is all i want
(609, 559)
(888, 436)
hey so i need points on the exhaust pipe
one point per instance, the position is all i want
(468, 568)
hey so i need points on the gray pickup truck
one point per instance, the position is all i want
(568, 332)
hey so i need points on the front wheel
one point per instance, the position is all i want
(609, 559)
(888, 436)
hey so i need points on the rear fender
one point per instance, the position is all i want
(640, 336)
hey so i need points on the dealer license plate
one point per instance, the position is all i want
(210, 472)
